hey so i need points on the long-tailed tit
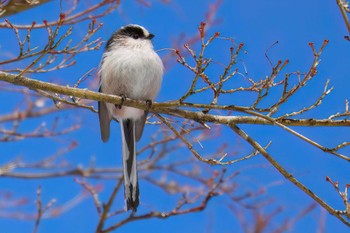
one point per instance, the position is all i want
(130, 68)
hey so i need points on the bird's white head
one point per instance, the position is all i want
(131, 36)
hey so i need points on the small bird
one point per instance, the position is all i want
(129, 68)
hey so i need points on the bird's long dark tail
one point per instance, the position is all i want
(131, 186)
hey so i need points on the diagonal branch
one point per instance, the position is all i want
(286, 174)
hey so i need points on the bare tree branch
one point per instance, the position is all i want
(166, 107)
(344, 9)
(288, 175)
(17, 6)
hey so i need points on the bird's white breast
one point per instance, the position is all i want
(135, 72)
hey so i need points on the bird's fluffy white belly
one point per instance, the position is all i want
(135, 74)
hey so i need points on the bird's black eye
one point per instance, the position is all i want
(135, 36)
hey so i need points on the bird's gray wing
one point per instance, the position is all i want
(131, 186)
(105, 119)
(139, 125)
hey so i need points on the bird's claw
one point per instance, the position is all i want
(119, 106)
(149, 103)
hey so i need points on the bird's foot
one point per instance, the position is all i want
(149, 104)
(119, 106)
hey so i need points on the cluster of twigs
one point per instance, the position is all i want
(262, 88)
(57, 53)
(53, 47)
(209, 182)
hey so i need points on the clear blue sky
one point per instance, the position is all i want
(258, 24)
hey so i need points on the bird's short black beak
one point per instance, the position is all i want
(150, 36)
